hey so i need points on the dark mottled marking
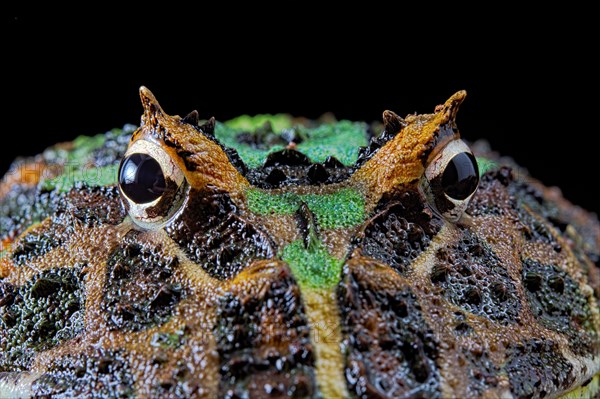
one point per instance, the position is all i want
(140, 291)
(95, 206)
(287, 157)
(103, 374)
(332, 162)
(536, 230)
(275, 177)
(214, 237)
(591, 269)
(471, 276)
(558, 304)
(500, 194)
(391, 350)
(38, 243)
(24, 205)
(262, 138)
(537, 368)
(39, 315)
(166, 378)
(461, 326)
(263, 341)
(473, 358)
(317, 173)
(530, 202)
(482, 373)
(16, 208)
(292, 176)
(400, 232)
(181, 382)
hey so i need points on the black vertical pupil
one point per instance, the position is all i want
(461, 176)
(141, 178)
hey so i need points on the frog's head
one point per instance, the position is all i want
(168, 156)
(426, 152)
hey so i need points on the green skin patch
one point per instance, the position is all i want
(312, 266)
(340, 139)
(249, 123)
(77, 167)
(167, 340)
(105, 176)
(83, 146)
(342, 209)
(485, 165)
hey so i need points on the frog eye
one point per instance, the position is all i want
(141, 178)
(450, 180)
(151, 184)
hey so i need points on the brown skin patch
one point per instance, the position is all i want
(338, 241)
(7, 266)
(280, 227)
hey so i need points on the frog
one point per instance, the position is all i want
(279, 257)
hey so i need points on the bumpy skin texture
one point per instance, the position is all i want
(265, 285)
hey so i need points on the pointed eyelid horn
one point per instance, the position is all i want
(202, 160)
(401, 161)
(152, 109)
(451, 106)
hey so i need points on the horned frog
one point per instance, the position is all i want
(278, 257)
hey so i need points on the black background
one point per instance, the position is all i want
(532, 88)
